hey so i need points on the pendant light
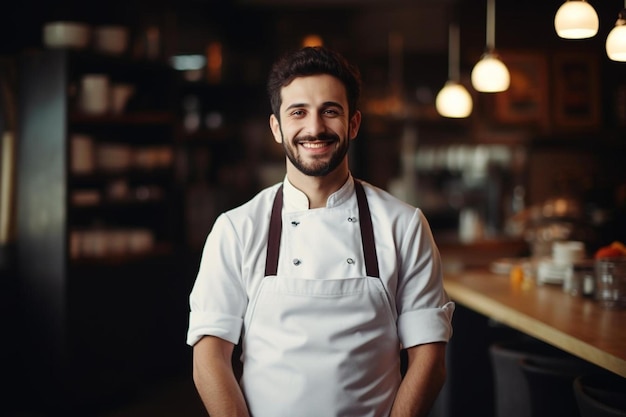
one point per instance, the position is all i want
(453, 100)
(490, 75)
(616, 41)
(576, 19)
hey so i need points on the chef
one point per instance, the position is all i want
(324, 279)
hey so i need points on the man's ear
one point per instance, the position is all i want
(355, 124)
(275, 127)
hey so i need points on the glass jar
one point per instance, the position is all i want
(580, 280)
(610, 289)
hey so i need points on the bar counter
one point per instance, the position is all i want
(574, 324)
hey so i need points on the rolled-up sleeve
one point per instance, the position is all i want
(424, 309)
(218, 298)
(202, 323)
(426, 325)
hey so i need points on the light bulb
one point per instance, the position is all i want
(490, 75)
(312, 40)
(576, 19)
(454, 101)
(616, 41)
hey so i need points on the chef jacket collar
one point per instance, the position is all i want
(296, 200)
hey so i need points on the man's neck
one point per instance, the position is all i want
(317, 189)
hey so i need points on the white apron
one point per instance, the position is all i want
(320, 347)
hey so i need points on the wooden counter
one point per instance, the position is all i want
(574, 324)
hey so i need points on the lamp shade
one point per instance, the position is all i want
(490, 75)
(576, 19)
(454, 101)
(616, 41)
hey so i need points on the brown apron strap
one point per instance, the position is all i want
(273, 240)
(365, 223)
(367, 232)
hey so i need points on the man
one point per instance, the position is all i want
(323, 277)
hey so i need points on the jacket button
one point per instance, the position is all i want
(297, 261)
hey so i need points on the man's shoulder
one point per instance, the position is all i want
(259, 203)
(378, 196)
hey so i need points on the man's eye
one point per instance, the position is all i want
(331, 112)
(297, 113)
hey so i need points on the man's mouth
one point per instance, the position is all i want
(314, 145)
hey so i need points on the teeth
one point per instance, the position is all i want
(313, 145)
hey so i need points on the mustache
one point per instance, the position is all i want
(324, 137)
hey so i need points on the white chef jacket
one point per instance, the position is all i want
(233, 261)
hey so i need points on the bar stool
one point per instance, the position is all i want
(511, 390)
(550, 387)
(600, 396)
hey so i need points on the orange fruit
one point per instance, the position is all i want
(517, 274)
(620, 246)
(608, 252)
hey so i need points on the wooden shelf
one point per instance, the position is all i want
(70, 288)
(135, 118)
(160, 250)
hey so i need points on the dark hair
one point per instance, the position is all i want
(313, 61)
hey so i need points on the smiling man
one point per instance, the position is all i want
(315, 126)
(323, 306)
(322, 127)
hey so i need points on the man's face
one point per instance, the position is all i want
(314, 127)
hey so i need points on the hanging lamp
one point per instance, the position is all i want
(490, 75)
(616, 41)
(453, 100)
(576, 19)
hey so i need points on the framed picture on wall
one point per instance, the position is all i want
(576, 90)
(526, 100)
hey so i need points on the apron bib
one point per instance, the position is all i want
(320, 347)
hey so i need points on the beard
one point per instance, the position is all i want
(320, 166)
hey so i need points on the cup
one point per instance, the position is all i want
(471, 225)
(94, 95)
(82, 154)
(120, 94)
(111, 40)
(66, 34)
(610, 289)
(567, 252)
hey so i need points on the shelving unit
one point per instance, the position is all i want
(220, 156)
(96, 239)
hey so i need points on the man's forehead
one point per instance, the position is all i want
(314, 87)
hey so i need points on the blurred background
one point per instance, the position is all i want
(128, 126)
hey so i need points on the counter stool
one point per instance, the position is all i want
(511, 391)
(550, 387)
(600, 396)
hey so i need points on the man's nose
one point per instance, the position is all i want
(315, 125)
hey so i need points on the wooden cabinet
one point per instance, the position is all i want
(98, 230)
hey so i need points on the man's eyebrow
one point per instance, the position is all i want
(296, 105)
(333, 104)
(305, 105)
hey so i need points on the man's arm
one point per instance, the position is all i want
(215, 380)
(424, 379)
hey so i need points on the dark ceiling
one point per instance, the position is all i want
(521, 24)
